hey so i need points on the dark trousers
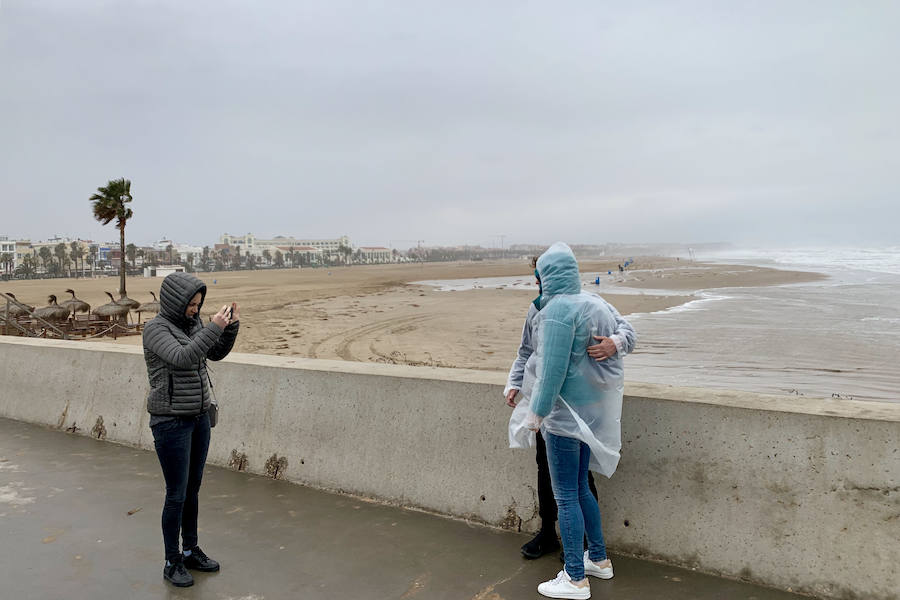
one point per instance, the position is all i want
(546, 502)
(181, 445)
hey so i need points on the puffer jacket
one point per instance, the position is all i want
(176, 348)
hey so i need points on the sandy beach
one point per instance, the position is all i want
(376, 313)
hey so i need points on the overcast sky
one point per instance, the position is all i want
(455, 122)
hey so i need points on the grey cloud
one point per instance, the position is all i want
(455, 122)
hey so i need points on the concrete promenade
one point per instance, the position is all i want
(80, 520)
(771, 490)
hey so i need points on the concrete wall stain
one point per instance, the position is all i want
(512, 520)
(238, 461)
(99, 431)
(276, 466)
(62, 417)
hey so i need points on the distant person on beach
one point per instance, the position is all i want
(575, 402)
(176, 347)
(621, 342)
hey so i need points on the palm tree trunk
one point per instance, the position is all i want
(122, 260)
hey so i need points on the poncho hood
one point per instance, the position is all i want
(558, 271)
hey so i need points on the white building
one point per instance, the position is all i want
(34, 248)
(310, 254)
(373, 254)
(8, 246)
(182, 250)
(254, 246)
(162, 270)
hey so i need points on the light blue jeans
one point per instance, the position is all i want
(579, 513)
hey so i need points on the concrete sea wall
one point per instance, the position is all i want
(791, 492)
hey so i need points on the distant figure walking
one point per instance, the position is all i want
(576, 404)
(176, 347)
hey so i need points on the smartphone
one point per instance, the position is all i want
(228, 312)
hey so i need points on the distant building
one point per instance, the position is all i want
(162, 270)
(34, 248)
(184, 251)
(302, 254)
(23, 249)
(250, 244)
(373, 254)
(8, 246)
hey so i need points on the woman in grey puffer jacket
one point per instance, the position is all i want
(176, 347)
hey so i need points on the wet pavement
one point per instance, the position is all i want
(80, 518)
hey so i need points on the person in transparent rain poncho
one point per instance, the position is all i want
(621, 342)
(576, 403)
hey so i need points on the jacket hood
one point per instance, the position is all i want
(558, 271)
(175, 294)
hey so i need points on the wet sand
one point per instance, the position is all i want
(376, 314)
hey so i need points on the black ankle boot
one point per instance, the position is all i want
(540, 544)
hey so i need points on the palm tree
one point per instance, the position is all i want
(79, 256)
(93, 252)
(46, 256)
(131, 252)
(60, 251)
(110, 203)
(345, 251)
(6, 259)
(73, 252)
(27, 268)
(267, 256)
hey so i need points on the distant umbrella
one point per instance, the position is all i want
(53, 311)
(15, 310)
(111, 308)
(126, 301)
(75, 305)
(149, 306)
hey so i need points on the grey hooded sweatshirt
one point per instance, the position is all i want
(176, 348)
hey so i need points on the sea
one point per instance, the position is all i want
(834, 338)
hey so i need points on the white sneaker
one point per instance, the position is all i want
(592, 568)
(563, 587)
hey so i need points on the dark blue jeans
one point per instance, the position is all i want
(546, 502)
(181, 445)
(579, 514)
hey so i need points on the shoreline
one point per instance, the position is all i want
(376, 313)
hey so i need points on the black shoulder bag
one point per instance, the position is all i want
(213, 410)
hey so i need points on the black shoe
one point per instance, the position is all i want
(199, 561)
(177, 575)
(540, 545)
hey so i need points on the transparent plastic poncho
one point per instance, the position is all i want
(577, 396)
